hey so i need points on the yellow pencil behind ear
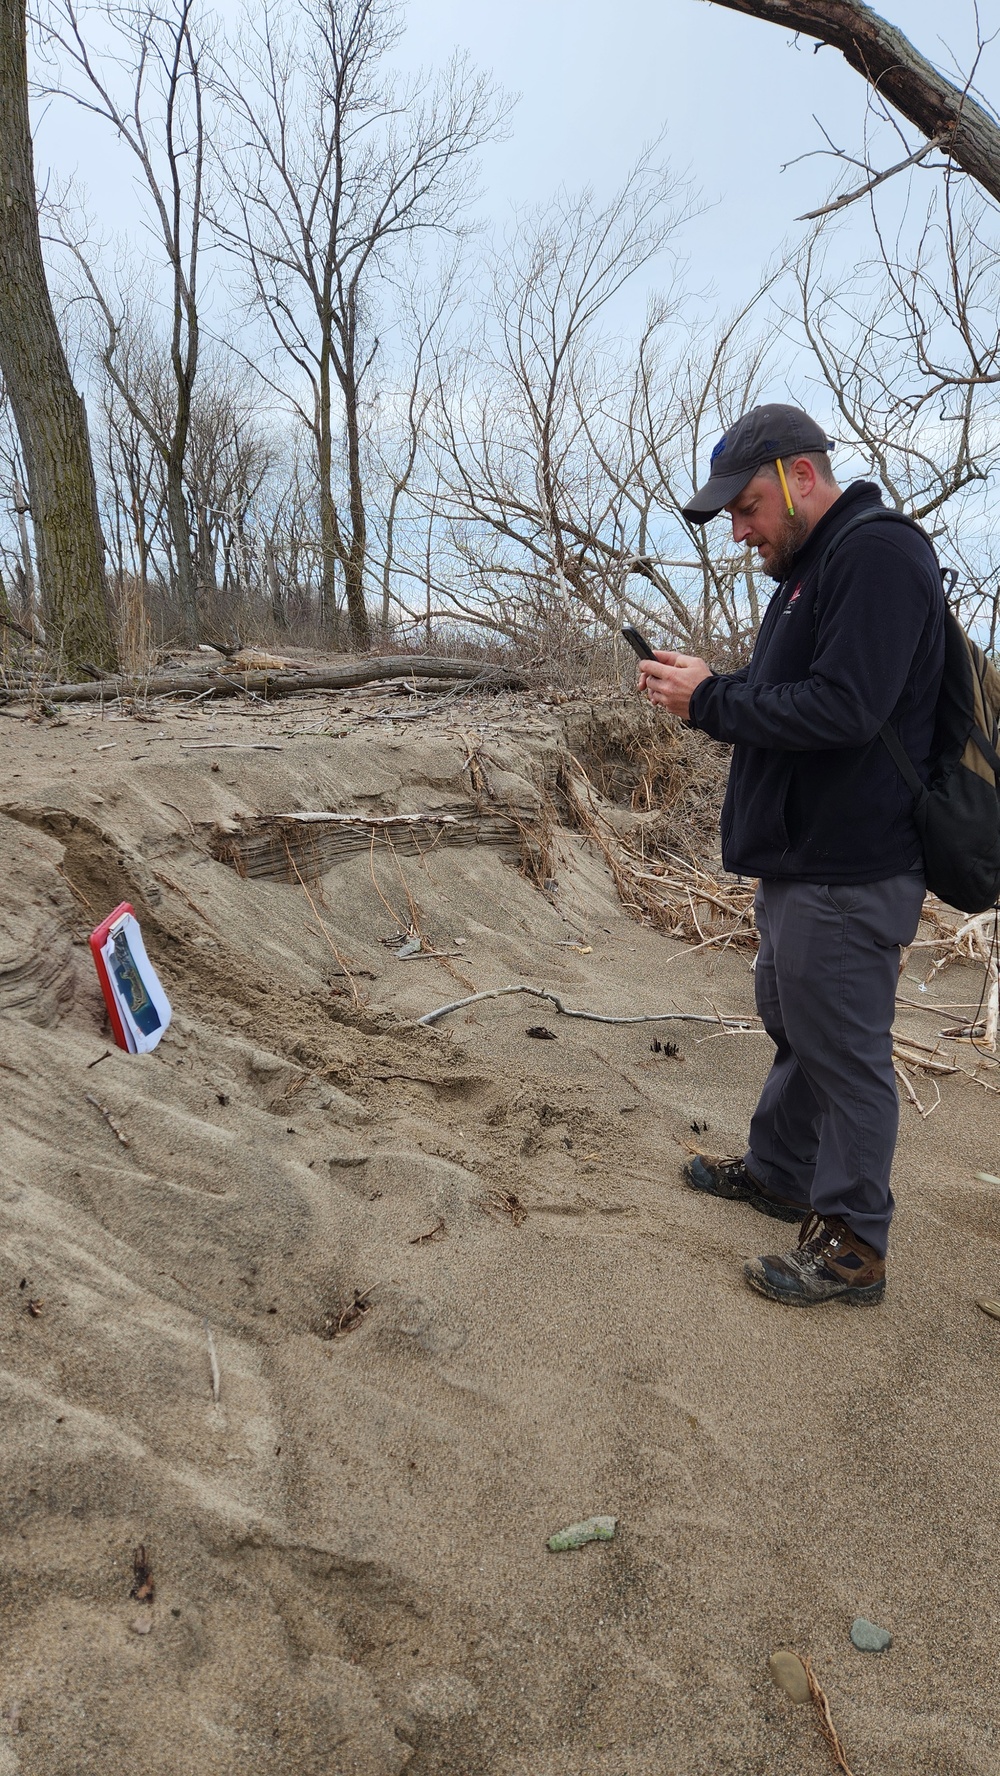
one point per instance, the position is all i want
(779, 465)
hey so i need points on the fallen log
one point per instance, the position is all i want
(277, 683)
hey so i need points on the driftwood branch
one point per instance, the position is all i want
(898, 73)
(276, 683)
(594, 1017)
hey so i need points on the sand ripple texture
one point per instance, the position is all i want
(338, 1318)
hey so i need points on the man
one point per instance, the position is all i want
(816, 808)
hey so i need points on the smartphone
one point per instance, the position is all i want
(638, 642)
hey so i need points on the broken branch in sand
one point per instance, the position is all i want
(594, 1017)
(172, 805)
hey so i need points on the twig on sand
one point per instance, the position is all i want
(907, 1087)
(106, 1113)
(341, 963)
(168, 882)
(213, 1363)
(435, 1232)
(826, 1725)
(180, 811)
(594, 1017)
(74, 890)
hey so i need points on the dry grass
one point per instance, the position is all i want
(685, 897)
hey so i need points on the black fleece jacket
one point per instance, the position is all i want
(813, 794)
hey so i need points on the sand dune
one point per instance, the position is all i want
(348, 1546)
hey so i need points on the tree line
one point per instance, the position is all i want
(323, 401)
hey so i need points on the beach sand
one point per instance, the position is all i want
(347, 1547)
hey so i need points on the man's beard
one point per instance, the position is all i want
(786, 548)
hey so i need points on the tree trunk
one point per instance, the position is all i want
(49, 414)
(22, 508)
(278, 614)
(329, 529)
(180, 537)
(901, 74)
(354, 565)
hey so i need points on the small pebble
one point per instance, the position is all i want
(789, 1673)
(141, 1624)
(868, 1638)
(990, 1307)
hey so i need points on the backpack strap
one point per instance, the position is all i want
(889, 737)
(992, 758)
(870, 515)
(904, 764)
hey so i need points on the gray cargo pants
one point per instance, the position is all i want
(824, 1131)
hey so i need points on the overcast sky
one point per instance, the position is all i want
(598, 78)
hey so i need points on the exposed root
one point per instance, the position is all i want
(594, 1017)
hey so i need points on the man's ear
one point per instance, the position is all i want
(804, 476)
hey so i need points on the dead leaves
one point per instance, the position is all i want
(347, 1318)
(143, 1588)
(504, 1202)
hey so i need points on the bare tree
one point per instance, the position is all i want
(908, 347)
(401, 428)
(148, 85)
(49, 414)
(949, 115)
(537, 441)
(330, 165)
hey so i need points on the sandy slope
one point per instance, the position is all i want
(349, 1548)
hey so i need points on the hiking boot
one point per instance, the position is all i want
(730, 1179)
(829, 1263)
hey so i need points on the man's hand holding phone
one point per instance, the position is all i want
(668, 679)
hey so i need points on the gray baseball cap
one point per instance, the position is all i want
(757, 438)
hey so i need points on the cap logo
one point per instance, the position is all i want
(719, 448)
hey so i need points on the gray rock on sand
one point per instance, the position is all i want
(577, 1535)
(868, 1638)
(789, 1674)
